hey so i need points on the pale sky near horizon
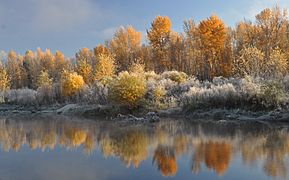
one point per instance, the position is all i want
(68, 25)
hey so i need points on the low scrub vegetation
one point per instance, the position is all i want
(157, 91)
(127, 89)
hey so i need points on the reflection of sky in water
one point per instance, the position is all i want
(99, 150)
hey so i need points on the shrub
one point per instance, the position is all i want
(214, 96)
(137, 68)
(71, 83)
(127, 89)
(272, 94)
(285, 83)
(158, 93)
(151, 75)
(250, 89)
(175, 76)
(45, 95)
(95, 94)
(21, 96)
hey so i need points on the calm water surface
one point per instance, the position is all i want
(79, 149)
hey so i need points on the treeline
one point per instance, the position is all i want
(205, 50)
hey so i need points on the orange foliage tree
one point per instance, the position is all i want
(159, 39)
(125, 46)
(213, 36)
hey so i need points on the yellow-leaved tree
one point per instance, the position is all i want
(4, 82)
(59, 65)
(71, 83)
(84, 69)
(104, 67)
(43, 80)
(159, 38)
(250, 62)
(15, 70)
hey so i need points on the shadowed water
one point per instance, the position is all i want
(73, 149)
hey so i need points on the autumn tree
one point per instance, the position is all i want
(31, 66)
(125, 46)
(4, 81)
(250, 62)
(85, 54)
(84, 69)
(159, 39)
(15, 70)
(272, 30)
(105, 66)
(47, 62)
(245, 36)
(44, 80)
(193, 59)
(213, 36)
(60, 64)
(100, 49)
(277, 66)
(176, 51)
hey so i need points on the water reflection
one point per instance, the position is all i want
(211, 146)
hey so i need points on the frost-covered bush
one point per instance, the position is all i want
(127, 89)
(235, 93)
(285, 83)
(94, 94)
(175, 76)
(250, 90)
(21, 96)
(216, 95)
(151, 75)
(273, 94)
(172, 91)
(45, 95)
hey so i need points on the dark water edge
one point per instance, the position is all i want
(69, 147)
(278, 115)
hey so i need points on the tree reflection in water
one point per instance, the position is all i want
(211, 145)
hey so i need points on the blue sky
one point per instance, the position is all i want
(68, 25)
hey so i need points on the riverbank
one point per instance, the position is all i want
(118, 113)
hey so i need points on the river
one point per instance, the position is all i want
(66, 148)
